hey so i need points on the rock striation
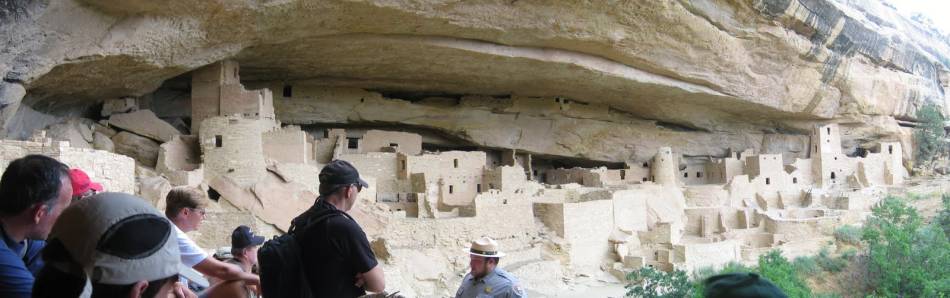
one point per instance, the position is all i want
(722, 67)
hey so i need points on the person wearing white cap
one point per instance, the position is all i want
(118, 243)
(486, 279)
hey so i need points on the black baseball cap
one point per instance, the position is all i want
(741, 285)
(341, 172)
(243, 237)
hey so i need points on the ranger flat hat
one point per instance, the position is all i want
(485, 247)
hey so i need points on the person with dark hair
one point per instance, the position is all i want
(118, 243)
(34, 190)
(335, 252)
(83, 187)
(740, 285)
(185, 207)
(486, 279)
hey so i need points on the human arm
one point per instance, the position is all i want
(224, 271)
(15, 279)
(363, 260)
(372, 280)
(228, 289)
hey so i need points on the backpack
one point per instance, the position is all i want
(280, 264)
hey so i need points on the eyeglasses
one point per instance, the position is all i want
(199, 211)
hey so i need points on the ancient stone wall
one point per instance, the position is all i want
(232, 147)
(376, 140)
(289, 145)
(115, 172)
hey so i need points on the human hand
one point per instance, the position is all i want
(182, 291)
(252, 280)
(360, 281)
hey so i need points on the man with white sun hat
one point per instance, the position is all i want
(486, 279)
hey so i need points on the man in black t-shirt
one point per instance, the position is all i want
(337, 257)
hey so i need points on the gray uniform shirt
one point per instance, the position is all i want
(498, 283)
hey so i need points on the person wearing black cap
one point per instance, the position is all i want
(244, 246)
(740, 285)
(337, 258)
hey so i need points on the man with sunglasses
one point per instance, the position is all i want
(335, 252)
(185, 207)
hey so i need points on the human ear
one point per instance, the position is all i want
(39, 211)
(138, 288)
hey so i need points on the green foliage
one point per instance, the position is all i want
(848, 234)
(929, 134)
(943, 219)
(829, 263)
(806, 265)
(905, 257)
(649, 282)
(774, 267)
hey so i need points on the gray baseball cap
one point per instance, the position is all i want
(118, 239)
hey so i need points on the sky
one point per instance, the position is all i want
(937, 10)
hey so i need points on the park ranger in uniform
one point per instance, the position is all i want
(486, 279)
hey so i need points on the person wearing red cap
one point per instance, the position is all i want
(82, 186)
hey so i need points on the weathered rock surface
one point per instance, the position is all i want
(10, 96)
(726, 68)
(146, 124)
(102, 142)
(723, 67)
(77, 131)
(143, 150)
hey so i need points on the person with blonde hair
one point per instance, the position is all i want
(185, 207)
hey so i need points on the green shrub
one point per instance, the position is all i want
(774, 267)
(806, 265)
(649, 282)
(929, 134)
(943, 219)
(849, 254)
(905, 257)
(829, 263)
(848, 234)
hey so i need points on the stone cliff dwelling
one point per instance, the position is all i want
(588, 150)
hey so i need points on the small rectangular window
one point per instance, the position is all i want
(456, 162)
(218, 141)
(288, 91)
(353, 143)
(451, 189)
(478, 187)
(767, 181)
(403, 162)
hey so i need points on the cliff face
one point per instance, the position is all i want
(704, 75)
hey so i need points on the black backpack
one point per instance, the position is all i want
(280, 263)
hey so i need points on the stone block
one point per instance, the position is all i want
(101, 141)
(143, 150)
(145, 123)
(118, 106)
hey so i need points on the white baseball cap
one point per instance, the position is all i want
(118, 239)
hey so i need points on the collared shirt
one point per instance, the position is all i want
(19, 263)
(498, 283)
